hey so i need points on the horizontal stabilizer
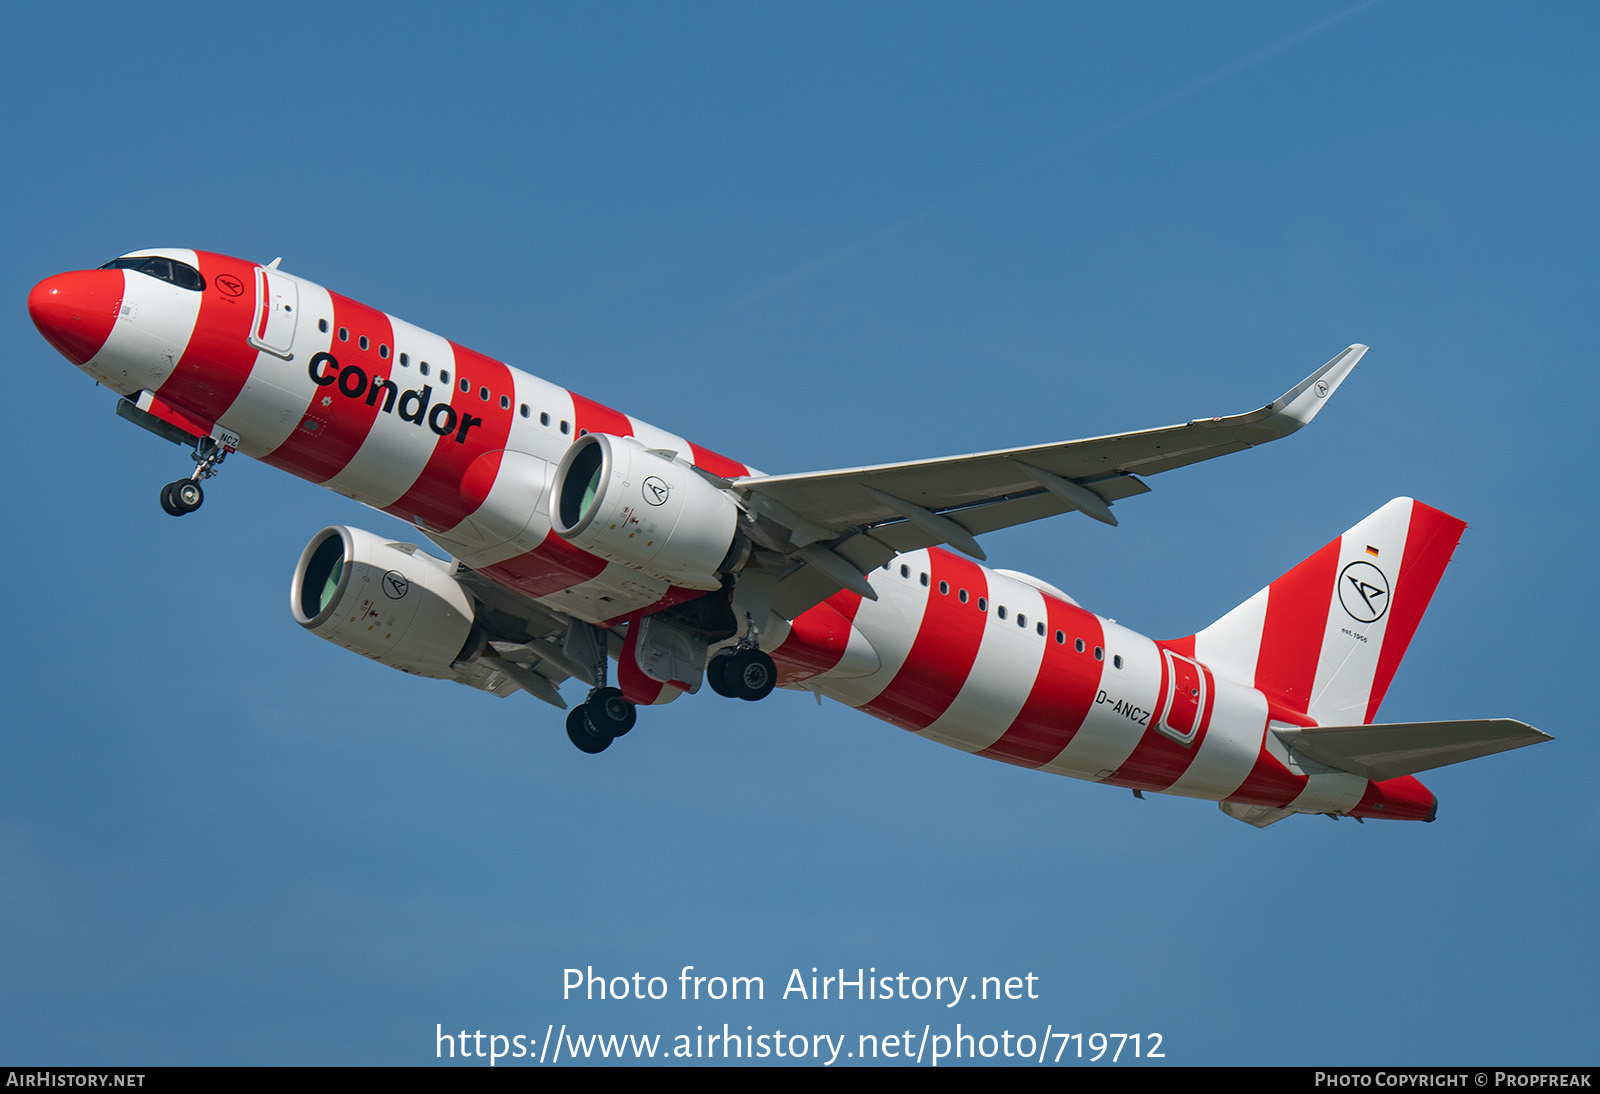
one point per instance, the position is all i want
(1380, 752)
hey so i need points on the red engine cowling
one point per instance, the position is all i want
(647, 510)
(386, 601)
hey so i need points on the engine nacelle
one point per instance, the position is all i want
(386, 601)
(626, 503)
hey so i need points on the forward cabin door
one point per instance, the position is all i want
(277, 303)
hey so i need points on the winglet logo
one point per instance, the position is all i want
(1364, 592)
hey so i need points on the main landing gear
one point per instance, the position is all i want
(185, 496)
(606, 715)
(742, 673)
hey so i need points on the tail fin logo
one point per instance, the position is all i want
(1364, 592)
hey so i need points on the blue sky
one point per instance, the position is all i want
(809, 236)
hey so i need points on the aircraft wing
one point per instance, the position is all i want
(831, 527)
(537, 662)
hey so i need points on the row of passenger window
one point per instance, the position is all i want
(1000, 613)
(444, 376)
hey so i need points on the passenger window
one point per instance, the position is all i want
(944, 588)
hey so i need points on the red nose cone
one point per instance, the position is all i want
(76, 311)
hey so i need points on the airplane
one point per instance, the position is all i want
(579, 535)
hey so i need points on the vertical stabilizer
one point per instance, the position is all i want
(1325, 638)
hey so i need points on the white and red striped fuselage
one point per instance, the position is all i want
(449, 441)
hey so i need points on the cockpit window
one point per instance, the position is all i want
(180, 274)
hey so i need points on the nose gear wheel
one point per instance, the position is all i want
(182, 497)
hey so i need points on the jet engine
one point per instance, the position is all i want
(386, 601)
(647, 510)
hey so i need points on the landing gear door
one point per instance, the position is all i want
(277, 302)
(669, 654)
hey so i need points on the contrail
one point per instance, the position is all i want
(1184, 92)
(810, 269)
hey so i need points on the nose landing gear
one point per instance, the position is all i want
(182, 497)
(185, 496)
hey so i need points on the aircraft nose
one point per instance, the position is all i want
(76, 311)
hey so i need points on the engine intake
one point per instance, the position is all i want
(646, 510)
(386, 601)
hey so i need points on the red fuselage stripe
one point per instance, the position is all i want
(945, 649)
(336, 424)
(1063, 690)
(218, 358)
